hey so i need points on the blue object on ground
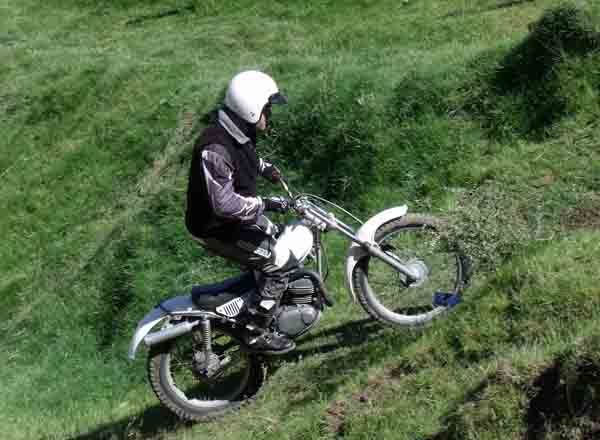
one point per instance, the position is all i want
(442, 299)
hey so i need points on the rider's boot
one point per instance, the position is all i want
(270, 342)
(261, 337)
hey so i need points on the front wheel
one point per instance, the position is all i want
(388, 296)
(181, 382)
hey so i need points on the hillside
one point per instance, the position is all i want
(482, 111)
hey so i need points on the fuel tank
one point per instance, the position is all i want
(298, 238)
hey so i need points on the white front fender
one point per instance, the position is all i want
(179, 303)
(367, 233)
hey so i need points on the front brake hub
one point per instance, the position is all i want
(420, 272)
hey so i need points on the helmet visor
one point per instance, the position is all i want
(277, 98)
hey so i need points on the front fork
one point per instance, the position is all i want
(318, 251)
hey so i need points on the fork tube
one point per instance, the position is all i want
(373, 249)
(324, 217)
(390, 259)
(319, 252)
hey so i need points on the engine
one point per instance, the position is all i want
(298, 313)
(300, 291)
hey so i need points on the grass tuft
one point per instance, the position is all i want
(527, 89)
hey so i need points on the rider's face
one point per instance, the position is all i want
(264, 118)
(262, 123)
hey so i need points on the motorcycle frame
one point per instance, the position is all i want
(319, 220)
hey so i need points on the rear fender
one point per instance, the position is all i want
(367, 233)
(155, 316)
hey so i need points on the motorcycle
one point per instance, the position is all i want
(402, 268)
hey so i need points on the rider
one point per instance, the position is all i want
(224, 212)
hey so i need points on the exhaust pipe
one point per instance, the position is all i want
(169, 333)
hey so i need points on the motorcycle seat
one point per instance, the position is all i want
(212, 296)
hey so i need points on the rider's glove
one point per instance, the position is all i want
(272, 173)
(277, 204)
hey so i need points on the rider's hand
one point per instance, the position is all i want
(272, 173)
(277, 204)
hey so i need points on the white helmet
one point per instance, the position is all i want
(249, 92)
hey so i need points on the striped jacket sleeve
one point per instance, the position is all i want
(226, 203)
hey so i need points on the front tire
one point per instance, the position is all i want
(385, 294)
(193, 397)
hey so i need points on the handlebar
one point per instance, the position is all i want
(324, 221)
(303, 205)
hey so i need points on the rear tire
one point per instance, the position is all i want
(191, 398)
(381, 290)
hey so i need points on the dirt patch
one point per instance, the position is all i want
(336, 414)
(335, 418)
(587, 217)
(564, 402)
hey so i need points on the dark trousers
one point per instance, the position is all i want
(253, 249)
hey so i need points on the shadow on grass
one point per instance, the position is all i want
(161, 14)
(359, 344)
(566, 400)
(157, 419)
(154, 420)
(348, 334)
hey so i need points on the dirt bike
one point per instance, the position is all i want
(402, 268)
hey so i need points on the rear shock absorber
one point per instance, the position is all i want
(207, 363)
(206, 336)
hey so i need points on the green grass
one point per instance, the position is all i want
(457, 108)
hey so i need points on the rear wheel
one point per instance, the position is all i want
(181, 382)
(388, 296)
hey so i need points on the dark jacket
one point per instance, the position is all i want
(222, 180)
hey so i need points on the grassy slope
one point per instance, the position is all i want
(98, 113)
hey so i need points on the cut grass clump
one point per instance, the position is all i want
(529, 89)
(489, 225)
